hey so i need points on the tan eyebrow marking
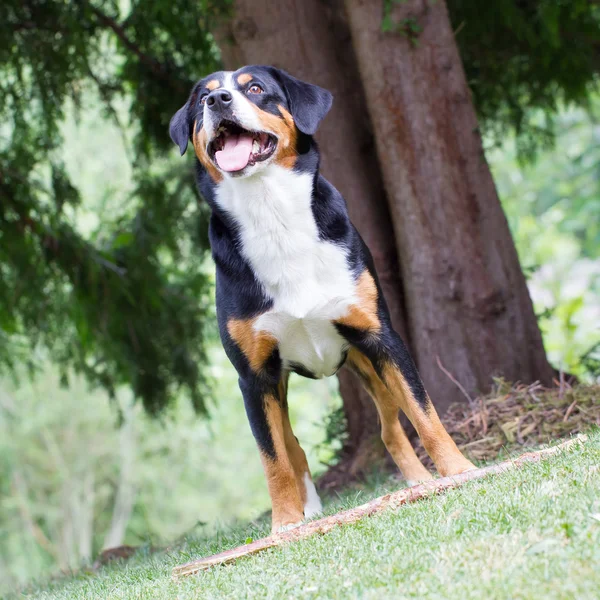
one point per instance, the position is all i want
(213, 84)
(244, 78)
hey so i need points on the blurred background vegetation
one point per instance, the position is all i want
(82, 465)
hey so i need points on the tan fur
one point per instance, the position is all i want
(257, 346)
(285, 130)
(244, 78)
(363, 314)
(200, 141)
(393, 394)
(213, 84)
(287, 504)
(392, 432)
(296, 454)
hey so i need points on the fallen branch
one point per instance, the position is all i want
(389, 501)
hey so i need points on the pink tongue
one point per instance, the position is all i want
(236, 152)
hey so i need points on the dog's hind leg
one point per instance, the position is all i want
(382, 360)
(392, 432)
(396, 384)
(306, 487)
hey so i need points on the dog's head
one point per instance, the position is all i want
(241, 121)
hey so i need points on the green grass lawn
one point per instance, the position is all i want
(529, 533)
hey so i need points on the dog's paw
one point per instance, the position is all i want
(418, 478)
(457, 467)
(412, 482)
(284, 528)
(468, 466)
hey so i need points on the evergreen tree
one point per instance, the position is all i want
(129, 303)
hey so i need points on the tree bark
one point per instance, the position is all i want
(465, 293)
(467, 301)
(311, 40)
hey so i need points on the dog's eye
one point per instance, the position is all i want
(203, 98)
(255, 89)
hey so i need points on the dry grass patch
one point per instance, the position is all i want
(514, 416)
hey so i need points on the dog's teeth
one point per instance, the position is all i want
(255, 146)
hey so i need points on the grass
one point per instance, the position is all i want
(530, 533)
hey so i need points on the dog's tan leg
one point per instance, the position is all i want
(440, 446)
(306, 488)
(392, 392)
(392, 432)
(263, 389)
(280, 471)
(395, 440)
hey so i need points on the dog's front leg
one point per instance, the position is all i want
(306, 487)
(266, 415)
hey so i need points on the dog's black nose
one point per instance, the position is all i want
(219, 99)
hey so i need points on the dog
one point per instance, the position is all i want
(296, 288)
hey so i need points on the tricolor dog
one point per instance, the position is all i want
(296, 289)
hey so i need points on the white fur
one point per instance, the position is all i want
(313, 504)
(240, 107)
(247, 118)
(308, 279)
(289, 527)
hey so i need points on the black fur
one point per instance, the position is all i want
(253, 392)
(308, 103)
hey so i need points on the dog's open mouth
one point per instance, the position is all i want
(235, 148)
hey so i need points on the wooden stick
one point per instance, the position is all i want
(389, 501)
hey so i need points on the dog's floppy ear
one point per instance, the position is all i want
(308, 103)
(179, 128)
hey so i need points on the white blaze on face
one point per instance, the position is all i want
(244, 150)
(244, 114)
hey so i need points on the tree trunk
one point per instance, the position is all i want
(466, 296)
(312, 42)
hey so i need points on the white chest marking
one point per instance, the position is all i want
(308, 279)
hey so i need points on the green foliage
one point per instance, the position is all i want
(124, 301)
(336, 433)
(125, 304)
(590, 360)
(521, 56)
(553, 209)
